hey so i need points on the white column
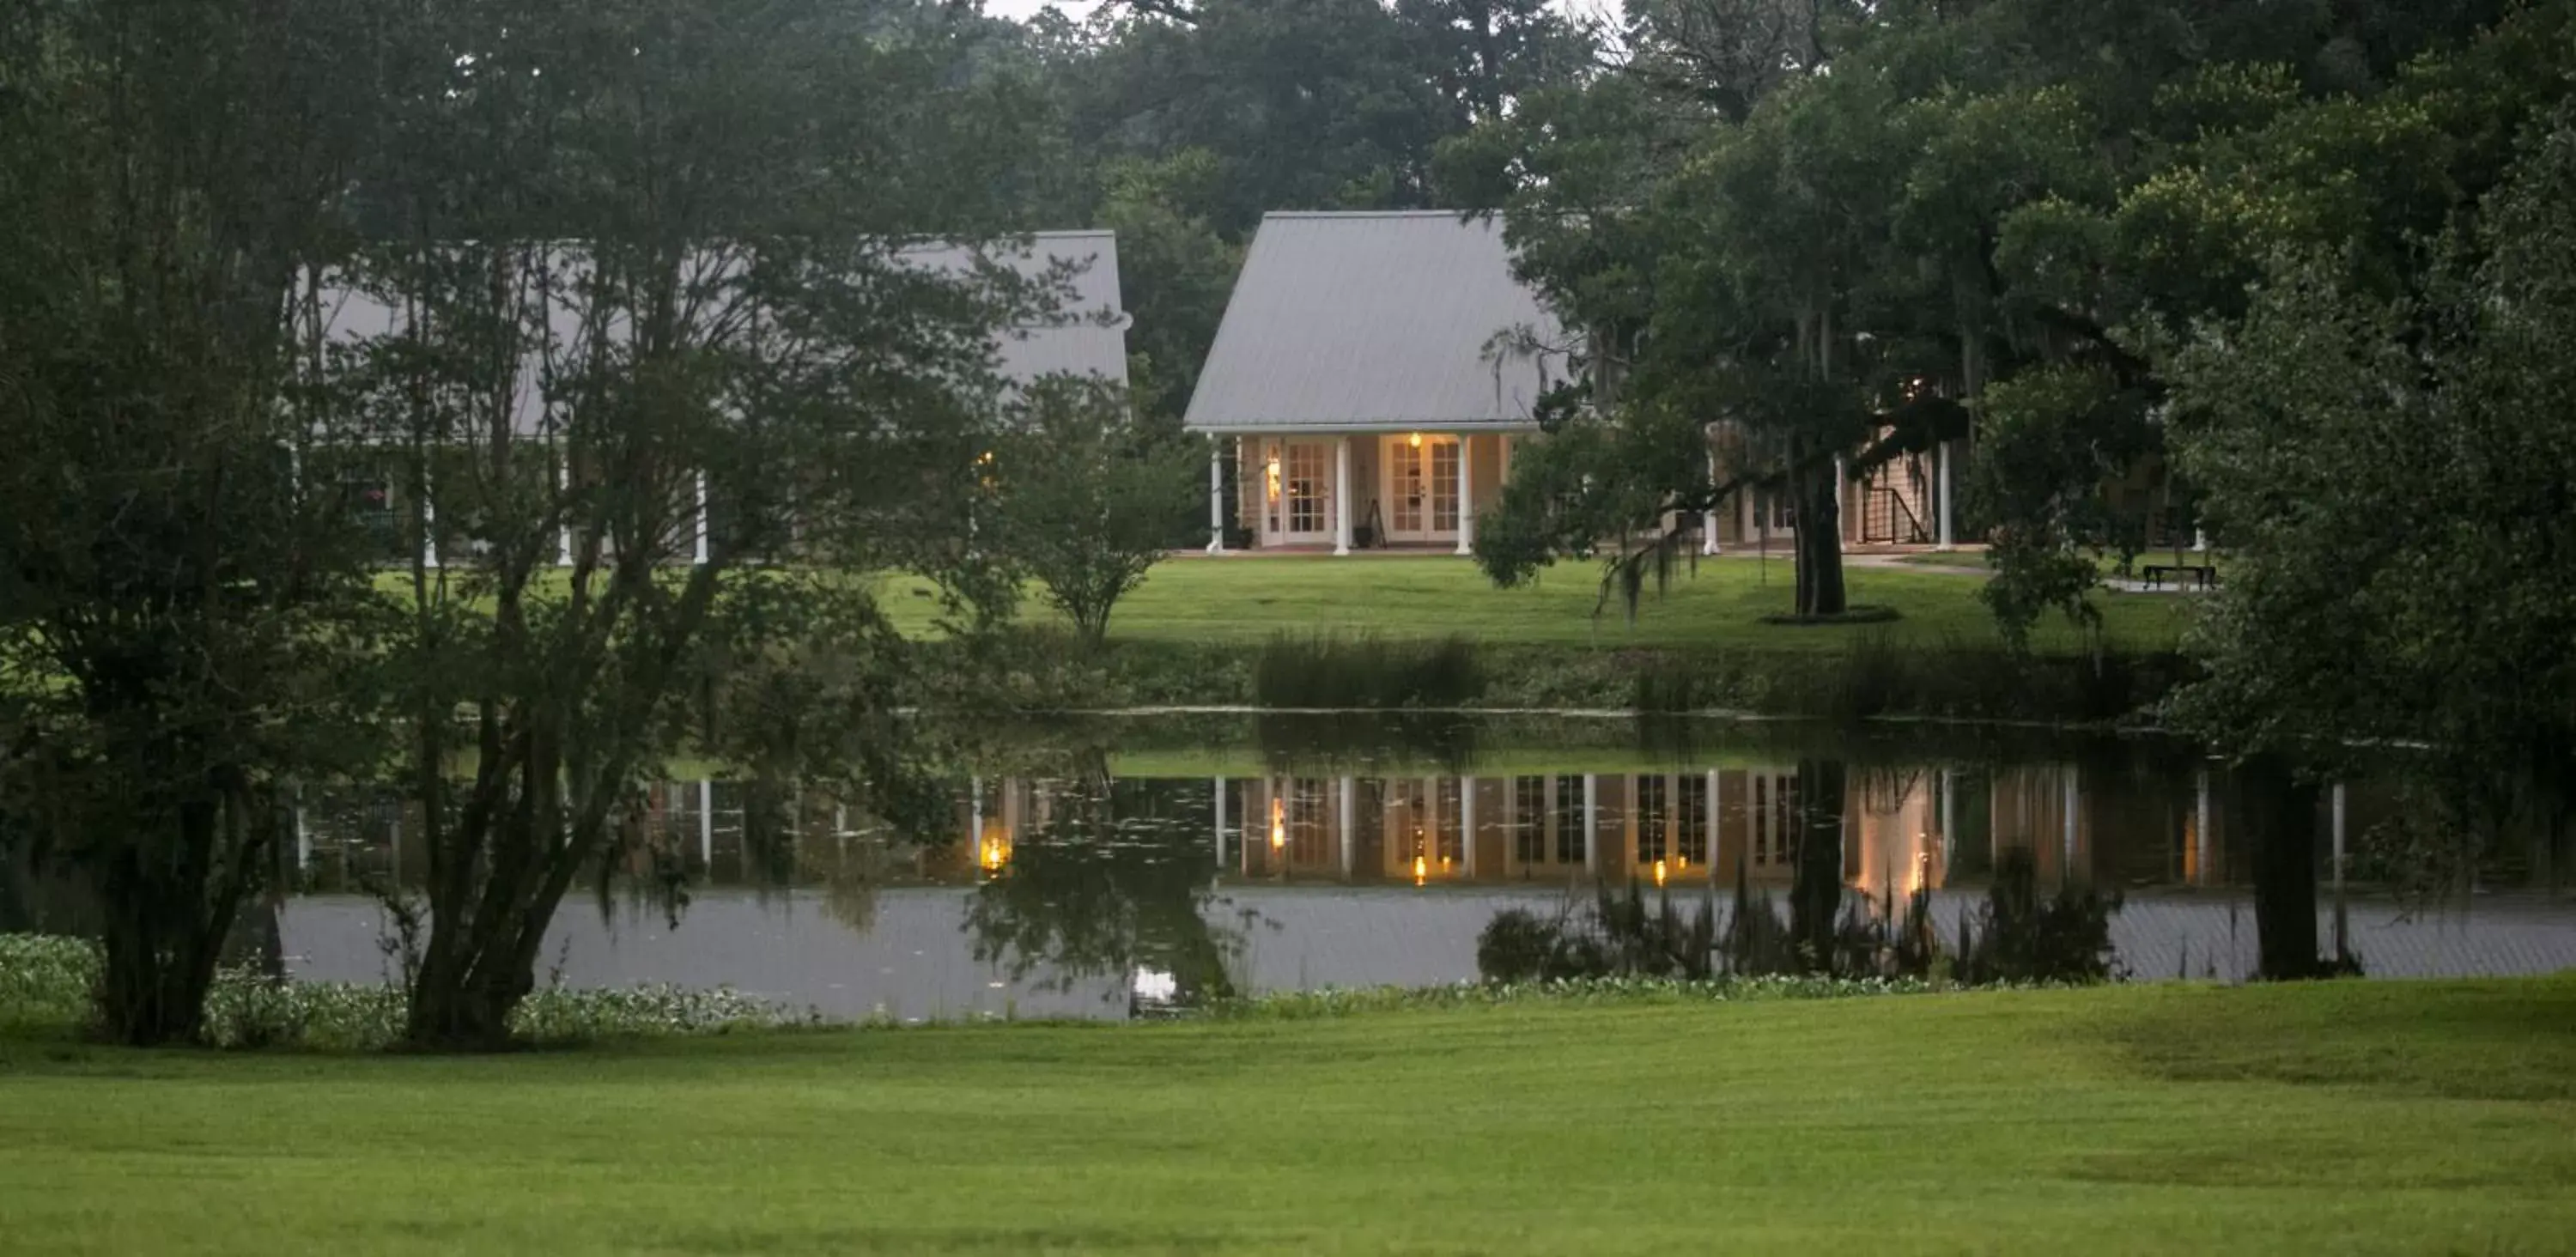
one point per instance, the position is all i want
(1466, 495)
(2066, 862)
(303, 839)
(1342, 494)
(1217, 788)
(2200, 836)
(1591, 823)
(1708, 518)
(563, 535)
(707, 825)
(1941, 462)
(2199, 540)
(1842, 504)
(1467, 824)
(698, 547)
(1711, 831)
(428, 528)
(1949, 814)
(2342, 941)
(1216, 494)
(1350, 825)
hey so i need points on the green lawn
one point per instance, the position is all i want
(2356, 1118)
(1249, 598)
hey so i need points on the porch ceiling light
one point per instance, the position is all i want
(1415, 440)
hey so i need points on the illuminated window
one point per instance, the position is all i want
(1529, 819)
(1569, 820)
(1654, 818)
(1690, 818)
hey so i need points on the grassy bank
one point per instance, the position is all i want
(1261, 631)
(1248, 599)
(1868, 677)
(2351, 1119)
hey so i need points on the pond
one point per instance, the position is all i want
(1106, 869)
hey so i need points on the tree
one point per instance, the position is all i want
(177, 604)
(637, 263)
(2395, 471)
(1735, 317)
(1088, 490)
(1175, 273)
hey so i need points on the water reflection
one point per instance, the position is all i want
(1077, 880)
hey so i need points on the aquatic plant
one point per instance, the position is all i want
(1337, 1001)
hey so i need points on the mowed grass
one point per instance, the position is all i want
(2355, 1118)
(1721, 604)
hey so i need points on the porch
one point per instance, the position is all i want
(1344, 492)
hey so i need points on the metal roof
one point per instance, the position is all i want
(1086, 335)
(1376, 321)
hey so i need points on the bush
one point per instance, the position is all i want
(45, 983)
(2019, 937)
(1323, 671)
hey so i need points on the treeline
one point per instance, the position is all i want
(2290, 280)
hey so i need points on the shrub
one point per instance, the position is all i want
(45, 982)
(1324, 671)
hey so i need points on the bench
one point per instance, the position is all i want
(2203, 574)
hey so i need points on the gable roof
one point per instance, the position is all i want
(1376, 321)
(1087, 335)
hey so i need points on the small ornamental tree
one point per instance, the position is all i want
(1088, 491)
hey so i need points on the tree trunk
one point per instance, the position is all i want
(168, 911)
(1816, 889)
(467, 1010)
(2283, 815)
(1819, 542)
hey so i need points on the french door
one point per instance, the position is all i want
(1421, 488)
(1297, 492)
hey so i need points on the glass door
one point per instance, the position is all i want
(1421, 488)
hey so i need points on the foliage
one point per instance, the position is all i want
(1328, 671)
(1559, 990)
(1088, 492)
(2396, 469)
(45, 983)
(2019, 936)
(697, 281)
(1798, 226)
(179, 605)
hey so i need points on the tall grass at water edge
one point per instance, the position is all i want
(1879, 675)
(1329, 671)
(2018, 935)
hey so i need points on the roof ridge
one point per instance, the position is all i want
(1411, 213)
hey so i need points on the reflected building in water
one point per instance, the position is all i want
(1899, 830)
(1303, 878)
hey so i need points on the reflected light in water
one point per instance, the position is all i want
(1660, 873)
(1421, 870)
(1278, 827)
